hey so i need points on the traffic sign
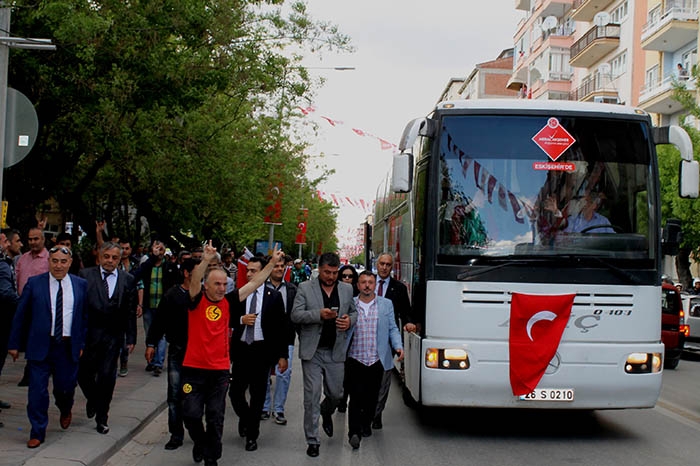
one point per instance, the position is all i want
(553, 139)
(21, 127)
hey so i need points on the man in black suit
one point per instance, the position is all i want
(282, 379)
(260, 340)
(394, 290)
(111, 312)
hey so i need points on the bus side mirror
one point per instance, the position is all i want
(402, 173)
(689, 179)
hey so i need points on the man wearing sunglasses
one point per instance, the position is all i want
(50, 325)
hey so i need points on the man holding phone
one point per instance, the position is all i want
(325, 310)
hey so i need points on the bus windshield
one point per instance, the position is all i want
(514, 185)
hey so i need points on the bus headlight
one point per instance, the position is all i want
(446, 358)
(643, 363)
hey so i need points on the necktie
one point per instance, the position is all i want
(250, 329)
(105, 283)
(58, 325)
(381, 288)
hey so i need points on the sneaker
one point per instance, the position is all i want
(280, 419)
(265, 416)
(157, 371)
(123, 370)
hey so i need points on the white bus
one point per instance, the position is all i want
(489, 199)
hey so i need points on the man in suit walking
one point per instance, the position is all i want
(395, 291)
(325, 310)
(277, 398)
(259, 342)
(111, 315)
(49, 325)
(369, 356)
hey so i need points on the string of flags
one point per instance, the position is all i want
(383, 143)
(341, 200)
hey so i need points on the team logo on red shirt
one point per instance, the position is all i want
(213, 313)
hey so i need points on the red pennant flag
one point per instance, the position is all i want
(287, 274)
(536, 326)
(359, 132)
(241, 276)
(385, 144)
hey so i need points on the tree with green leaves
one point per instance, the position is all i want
(673, 206)
(179, 112)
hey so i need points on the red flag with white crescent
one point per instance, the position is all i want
(537, 324)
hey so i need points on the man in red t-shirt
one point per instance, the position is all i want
(205, 369)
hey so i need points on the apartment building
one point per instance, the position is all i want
(670, 39)
(586, 50)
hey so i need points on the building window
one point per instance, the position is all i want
(619, 14)
(652, 76)
(618, 65)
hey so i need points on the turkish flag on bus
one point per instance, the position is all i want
(536, 325)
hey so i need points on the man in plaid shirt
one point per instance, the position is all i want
(369, 356)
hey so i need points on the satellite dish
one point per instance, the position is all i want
(550, 22)
(604, 69)
(601, 18)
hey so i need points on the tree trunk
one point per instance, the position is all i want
(683, 268)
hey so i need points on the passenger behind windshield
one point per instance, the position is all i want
(587, 219)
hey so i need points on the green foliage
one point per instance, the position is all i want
(173, 110)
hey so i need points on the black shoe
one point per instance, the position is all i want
(377, 423)
(157, 371)
(312, 451)
(210, 463)
(173, 444)
(149, 368)
(327, 424)
(5, 405)
(251, 445)
(242, 429)
(355, 441)
(197, 453)
(367, 431)
(102, 429)
(342, 407)
(24, 382)
(89, 410)
(265, 415)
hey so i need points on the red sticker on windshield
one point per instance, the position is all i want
(553, 139)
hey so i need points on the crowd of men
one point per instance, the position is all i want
(77, 326)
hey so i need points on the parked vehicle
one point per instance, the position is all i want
(674, 330)
(691, 304)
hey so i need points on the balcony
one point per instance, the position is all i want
(594, 45)
(585, 10)
(522, 5)
(599, 88)
(671, 30)
(657, 97)
(553, 7)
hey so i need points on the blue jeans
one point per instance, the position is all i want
(159, 356)
(282, 381)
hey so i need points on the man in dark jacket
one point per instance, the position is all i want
(111, 313)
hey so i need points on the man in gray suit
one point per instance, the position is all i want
(325, 311)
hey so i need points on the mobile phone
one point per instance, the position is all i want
(335, 309)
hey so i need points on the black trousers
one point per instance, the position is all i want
(249, 371)
(97, 374)
(204, 393)
(176, 354)
(363, 388)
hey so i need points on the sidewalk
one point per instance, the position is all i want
(138, 398)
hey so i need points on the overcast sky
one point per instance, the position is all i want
(406, 52)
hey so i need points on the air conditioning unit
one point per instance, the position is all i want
(599, 99)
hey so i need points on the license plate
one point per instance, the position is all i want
(550, 394)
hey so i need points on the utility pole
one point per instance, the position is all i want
(6, 41)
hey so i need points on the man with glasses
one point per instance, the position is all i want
(50, 325)
(111, 310)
